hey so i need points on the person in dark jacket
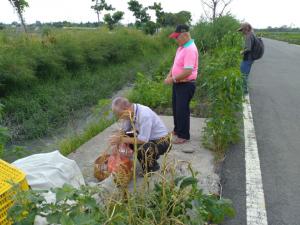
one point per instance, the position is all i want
(247, 62)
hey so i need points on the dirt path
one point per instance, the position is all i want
(202, 160)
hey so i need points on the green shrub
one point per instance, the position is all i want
(222, 85)
(172, 201)
(153, 93)
(207, 35)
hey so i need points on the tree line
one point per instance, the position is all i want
(212, 10)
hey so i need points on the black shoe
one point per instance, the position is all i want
(156, 167)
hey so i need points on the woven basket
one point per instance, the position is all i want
(100, 167)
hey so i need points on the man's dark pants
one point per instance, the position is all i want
(182, 95)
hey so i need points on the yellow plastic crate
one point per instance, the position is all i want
(9, 172)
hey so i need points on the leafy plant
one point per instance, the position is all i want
(150, 92)
(223, 84)
(175, 201)
(4, 134)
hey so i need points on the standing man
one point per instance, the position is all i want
(247, 62)
(183, 76)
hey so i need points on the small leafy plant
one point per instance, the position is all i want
(176, 201)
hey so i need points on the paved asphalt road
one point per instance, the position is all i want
(275, 101)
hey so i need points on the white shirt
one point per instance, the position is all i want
(147, 123)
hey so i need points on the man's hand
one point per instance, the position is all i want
(115, 139)
(169, 80)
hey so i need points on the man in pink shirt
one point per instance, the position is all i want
(183, 75)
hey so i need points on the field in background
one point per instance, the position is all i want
(290, 37)
(46, 78)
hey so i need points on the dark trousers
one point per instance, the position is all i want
(182, 95)
(149, 153)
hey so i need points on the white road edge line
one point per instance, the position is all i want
(255, 199)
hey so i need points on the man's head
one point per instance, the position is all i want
(181, 34)
(245, 28)
(121, 107)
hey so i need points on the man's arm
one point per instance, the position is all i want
(169, 79)
(119, 139)
(187, 72)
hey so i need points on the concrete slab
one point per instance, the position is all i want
(202, 160)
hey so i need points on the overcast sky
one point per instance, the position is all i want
(260, 13)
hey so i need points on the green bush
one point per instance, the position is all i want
(207, 35)
(222, 85)
(153, 93)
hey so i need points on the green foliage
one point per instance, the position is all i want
(151, 90)
(45, 80)
(19, 5)
(73, 142)
(222, 82)
(150, 28)
(4, 134)
(112, 20)
(290, 37)
(207, 35)
(159, 13)
(139, 12)
(175, 201)
(153, 93)
(101, 5)
(173, 19)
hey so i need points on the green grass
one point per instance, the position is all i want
(45, 80)
(70, 144)
(290, 37)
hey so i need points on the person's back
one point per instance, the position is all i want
(249, 42)
(149, 124)
(247, 62)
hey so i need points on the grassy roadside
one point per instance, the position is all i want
(75, 140)
(290, 37)
(45, 79)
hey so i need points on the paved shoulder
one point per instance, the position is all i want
(202, 159)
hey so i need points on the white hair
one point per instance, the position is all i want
(120, 103)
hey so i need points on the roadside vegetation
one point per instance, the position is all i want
(45, 78)
(290, 37)
(171, 200)
(219, 93)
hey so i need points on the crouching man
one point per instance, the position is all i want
(152, 135)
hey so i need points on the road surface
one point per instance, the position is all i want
(275, 102)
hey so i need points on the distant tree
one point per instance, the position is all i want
(172, 19)
(111, 20)
(159, 13)
(150, 27)
(2, 26)
(19, 6)
(215, 8)
(139, 12)
(99, 6)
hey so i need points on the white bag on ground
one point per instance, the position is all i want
(50, 170)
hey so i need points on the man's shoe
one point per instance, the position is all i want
(179, 141)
